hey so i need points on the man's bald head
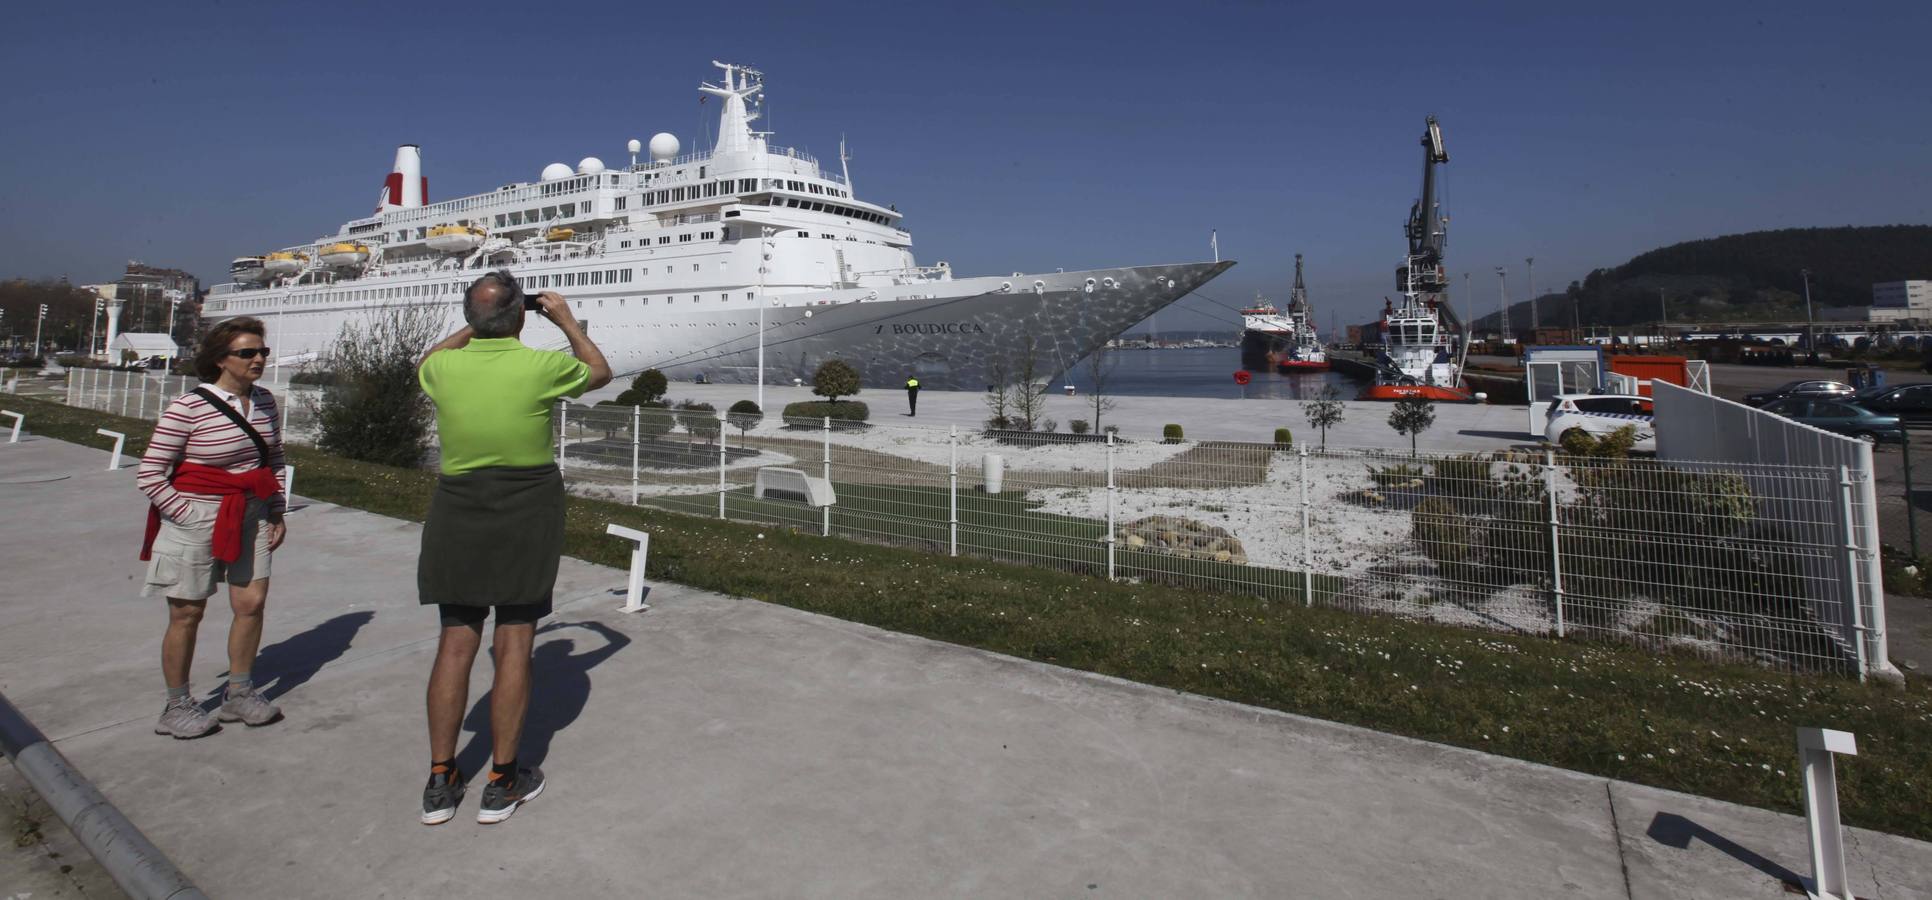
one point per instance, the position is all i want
(493, 305)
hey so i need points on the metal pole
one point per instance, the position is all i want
(1852, 568)
(637, 422)
(825, 522)
(1307, 545)
(721, 466)
(1535, 320)
(124, 390)
(1112, 540)
(1556, 551)
(1811, 346)
(952, 478)
(141, 408)
(135, 864)
(1911, 507)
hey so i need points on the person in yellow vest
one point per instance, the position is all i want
(912, 396)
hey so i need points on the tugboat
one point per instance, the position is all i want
(1304, 352)
(1266, 335)
(1421, 355)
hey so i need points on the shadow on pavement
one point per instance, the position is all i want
(559, 690)
(292, 661)
(1673, 830)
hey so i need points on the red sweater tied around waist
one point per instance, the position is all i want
(235, 490)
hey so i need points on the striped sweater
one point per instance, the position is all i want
(192, 430)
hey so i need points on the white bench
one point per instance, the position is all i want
(816, 491)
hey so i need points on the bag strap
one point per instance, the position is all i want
(261, 446)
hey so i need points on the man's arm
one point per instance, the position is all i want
(555, 308)
(455, 341)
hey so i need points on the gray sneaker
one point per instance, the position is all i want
(441, 795)
(248, 707)
(500, 799)
(184, 720)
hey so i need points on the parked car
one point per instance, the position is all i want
(1841, 417)
(1600, 414)
(1827, 390)
(1912, 403)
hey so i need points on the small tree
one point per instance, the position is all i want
(700, 420)
(650, 385)
(835, 378)
(1325, 411)
(1100, 371)
(1029, 387)
(608, 417)
(375, 410)
(1412, 416)
(999, 394)
(744, 415)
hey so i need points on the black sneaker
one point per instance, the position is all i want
(441, 795)
(502, 796)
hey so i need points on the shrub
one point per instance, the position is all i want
(654, 420)
(27, 362)
(1284, 439)
(376, 410)
(1171, 433)
(650, 386)
(835, 378)
(1049, 426)
(1466, 476)
(1615, 445)
(848, 411)
(1079, 426)
(1398, 475)
(608, 417)
(699, 420)
(321, 377)
(1111, 429)
(1448, 538)
(998, 423)
(744, 415)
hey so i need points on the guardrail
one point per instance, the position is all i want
(135, 864)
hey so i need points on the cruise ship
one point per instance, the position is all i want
(699, 264)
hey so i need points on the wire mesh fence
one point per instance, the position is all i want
(1765, 563)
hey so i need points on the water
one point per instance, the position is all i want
(1206, 372)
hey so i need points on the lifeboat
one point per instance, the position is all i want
(454, 238)
(344, 253)
(560, 234)
(247, 270)
(285, 262)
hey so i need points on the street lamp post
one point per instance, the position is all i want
(94, 325)
(1663, 314)
(764, 266)
(1502, 304)
(37, 322)
(1811, 345)
(1535, 320)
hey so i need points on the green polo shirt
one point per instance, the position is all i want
(494, 399)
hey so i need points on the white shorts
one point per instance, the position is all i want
(181, 564)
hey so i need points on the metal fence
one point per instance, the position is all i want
(1740, 561)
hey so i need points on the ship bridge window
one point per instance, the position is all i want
(621, 203)
(804, 234)
(664, 239)
(570, 209)
(708, 235)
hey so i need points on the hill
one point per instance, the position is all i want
(1740, 277)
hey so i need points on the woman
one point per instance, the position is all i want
(213, 473)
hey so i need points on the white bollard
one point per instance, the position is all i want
(634, 588)
(18, 420)
(288, 483)
(120, 440)
(1829, 880)
(992, 470)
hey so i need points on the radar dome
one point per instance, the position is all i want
(590, 165)
(664, 146)
(635, 146)
(556, 172)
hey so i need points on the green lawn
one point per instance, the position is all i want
(1720, 730)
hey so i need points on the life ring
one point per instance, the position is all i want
(1242, 377)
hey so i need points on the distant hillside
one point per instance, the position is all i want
(1740, 277)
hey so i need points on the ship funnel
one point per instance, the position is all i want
(406, 186)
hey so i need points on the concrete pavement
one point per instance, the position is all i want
(723, 747)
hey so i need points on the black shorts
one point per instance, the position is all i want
(520, 614)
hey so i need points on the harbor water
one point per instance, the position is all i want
(1205, 372)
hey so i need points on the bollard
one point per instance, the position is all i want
(288, 484)
(634, 588)
(1815, 748)
(120, 440)
(18, 420)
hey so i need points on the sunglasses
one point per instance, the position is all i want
(250, 352)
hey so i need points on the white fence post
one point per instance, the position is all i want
(1307, 543)
(634, 587)
(952, 490)
(125, 377)
(141, 407)
(1829, 880)
(825, 520)
(1852, 569)
(721, 465)
(637, 423)
(1556, 553)
(1111, 525)
(18, 420)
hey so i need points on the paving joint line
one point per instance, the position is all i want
(1616, 833)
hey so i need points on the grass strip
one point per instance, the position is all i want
(1678, 722)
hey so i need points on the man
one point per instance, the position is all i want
(912, 396)
(495, 526)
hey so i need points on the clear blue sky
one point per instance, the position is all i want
(1017, 137)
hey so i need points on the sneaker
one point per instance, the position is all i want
(248, 707)
(441, 795)
(502, 796)
(184, 720)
